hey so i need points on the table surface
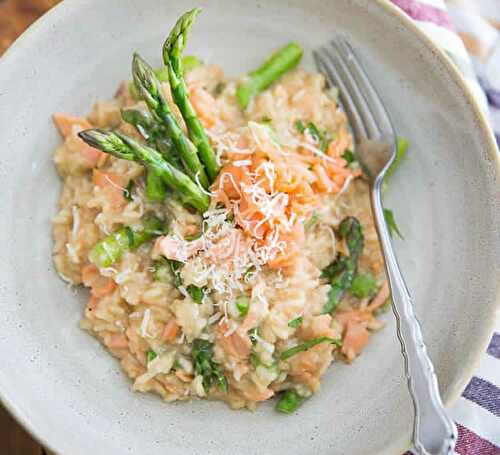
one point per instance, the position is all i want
(15, 17)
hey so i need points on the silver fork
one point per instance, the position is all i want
(433, 430)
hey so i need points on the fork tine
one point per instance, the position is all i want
(366, 87)
(351, 85)
(325, 64)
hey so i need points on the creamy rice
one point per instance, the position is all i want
(148, 323)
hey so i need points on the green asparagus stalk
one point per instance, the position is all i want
(189, 62)
(205, 366)
(153, 133)
(111, 249)
(172, 57)
(289, 402)
(145, 124)
(151, 92)
(272, 69)
(142, 121)
(126, 148)
(156, 190)
(342, 270)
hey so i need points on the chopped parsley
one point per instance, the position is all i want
(297, 322)
(161, 271)
(191, 237)
(196, 293)
(243, 304)
(323, 137)
(348, 155)
(254, 359)
(151, 355)
(175, 268)
(311, 221)
(130, 236)
(308, 345)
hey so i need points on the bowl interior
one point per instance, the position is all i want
(62, 384)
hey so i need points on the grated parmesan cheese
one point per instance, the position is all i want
(145, 322)
(76, 221)
(72, 253)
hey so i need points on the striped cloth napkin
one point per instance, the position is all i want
(469, 32)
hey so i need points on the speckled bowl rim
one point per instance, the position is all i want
(401, 445)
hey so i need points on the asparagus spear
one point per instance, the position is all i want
(205, 366)
(154, 133)
(341, 271)
(109, 250)
(156, 189)
(124, 147)
(150, 90)
(172, 57)
(272, 69)
(289, 402)
(143, 122)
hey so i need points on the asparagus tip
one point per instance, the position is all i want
(178, 35)
(94, 137)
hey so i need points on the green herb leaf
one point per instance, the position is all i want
(266, 120)
(151, 355)
(391, 223)
(323, 137)
(311, 221)
(192, 237)
(175, 268)
(363, 286)
(249, 271)
(130, 236)
(299, 125)
(294, 323)
(348, 155)
(243, 304)
(161, 271)
(308, 345)
(290, 400)
(254, 359)
(127, 192)
(313, 131)
(196, 293)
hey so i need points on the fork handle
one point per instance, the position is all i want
(434, 432)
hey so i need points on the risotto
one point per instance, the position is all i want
(222, 227)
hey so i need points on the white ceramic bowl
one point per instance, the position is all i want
(62, 385)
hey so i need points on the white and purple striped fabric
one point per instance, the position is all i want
(469, 32)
